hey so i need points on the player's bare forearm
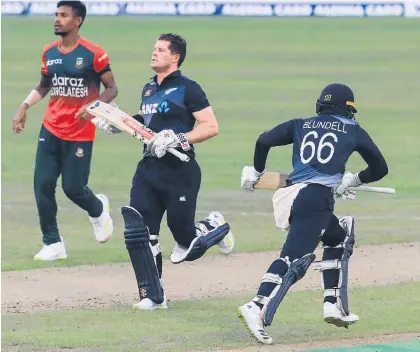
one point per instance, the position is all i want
(207, 128)
(111, 89)
(202, 132)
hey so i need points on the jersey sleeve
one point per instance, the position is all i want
(44, 67)
(195, 98)
(101, 61)
(280, 135)
(377, 167)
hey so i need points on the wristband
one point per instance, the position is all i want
(33, 98)
(185, 145)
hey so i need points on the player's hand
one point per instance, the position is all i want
(105, 126)
(162, 141)
(19, 119)
(82, 114)
(343, 190)
(249, 178)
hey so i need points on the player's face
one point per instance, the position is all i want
(64, 22)
(162, 58)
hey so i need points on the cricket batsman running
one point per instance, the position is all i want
(321, 147)
(171, 106)
(72, 69)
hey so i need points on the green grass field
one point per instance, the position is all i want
(210, 324)
(256, 73)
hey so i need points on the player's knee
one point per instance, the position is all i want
(136, 232)
(73, 192)
(334, 234)
(44, 185)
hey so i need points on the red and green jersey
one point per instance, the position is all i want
(75, 77)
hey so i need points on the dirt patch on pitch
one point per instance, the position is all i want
(217, 275)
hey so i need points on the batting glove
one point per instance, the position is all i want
(104, 126)
(162, 141)
(343, 190)
(249, 178)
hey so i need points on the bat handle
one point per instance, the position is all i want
(374, 189)
(179, 155)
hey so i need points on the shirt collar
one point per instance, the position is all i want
(172, 75)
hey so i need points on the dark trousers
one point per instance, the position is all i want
(71, 160)
(167, 185)
(311, 221)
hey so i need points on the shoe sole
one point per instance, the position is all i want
(223, 249)
(110, 236)
(151, 309)
(227, 249)
(242, 318)
(339, 322)
(61, 257)
(108, 209)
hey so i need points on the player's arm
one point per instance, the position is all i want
(36, 94)
(196, 101)
(377, 167)
(102, 67)
(207, 126)
(280, 135)
(111, 90)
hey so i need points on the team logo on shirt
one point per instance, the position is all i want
(79, 63)
(148, 92)
(79, 152)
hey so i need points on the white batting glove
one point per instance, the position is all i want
(249, 178)
(162, 141)
(343, 190)
(104, 126)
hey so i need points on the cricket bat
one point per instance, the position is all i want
(272, 180)
(275, 180)
(128, 124)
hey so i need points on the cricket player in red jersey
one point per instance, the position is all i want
(72, 69)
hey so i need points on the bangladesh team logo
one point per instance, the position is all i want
(79, 63)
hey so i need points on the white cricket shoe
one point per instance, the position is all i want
(148, 304)
(217, 219)
(250, 314)
(333, 315)
(103, 226)
(52, 252)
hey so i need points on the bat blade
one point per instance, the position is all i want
(272, 181)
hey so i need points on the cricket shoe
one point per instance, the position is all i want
(217, 219)
(207, 237)
(148, 304)
(333, 315)
(103, 226)
(52, 252)
(250, 314)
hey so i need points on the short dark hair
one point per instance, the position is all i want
(178, 45)
(78, 7)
